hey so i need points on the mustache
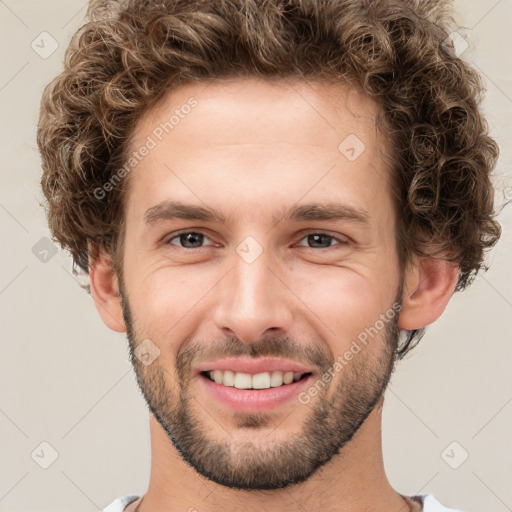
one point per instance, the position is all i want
(310, 354)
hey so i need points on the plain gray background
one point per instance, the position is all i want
(66, 380)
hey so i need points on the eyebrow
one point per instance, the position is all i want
(170, 210)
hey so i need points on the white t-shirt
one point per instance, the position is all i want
(430, 504)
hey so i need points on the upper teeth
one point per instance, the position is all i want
(247, 381)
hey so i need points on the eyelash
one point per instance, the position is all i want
(178, 234)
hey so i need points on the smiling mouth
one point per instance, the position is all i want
(264, 380)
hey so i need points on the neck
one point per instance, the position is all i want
(353, 481)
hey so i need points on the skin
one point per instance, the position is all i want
(252, 148)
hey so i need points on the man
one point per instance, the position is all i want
(272, 199)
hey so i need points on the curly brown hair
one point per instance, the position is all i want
(131, 54)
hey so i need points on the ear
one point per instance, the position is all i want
(105, 290)
(429, 285)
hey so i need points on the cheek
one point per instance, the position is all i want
(346, 301)
(164, 300)
(170, 304)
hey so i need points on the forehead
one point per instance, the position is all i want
(252, 104)
(255, 140)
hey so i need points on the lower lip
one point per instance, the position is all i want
(254, 400)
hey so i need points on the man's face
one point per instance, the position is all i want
(290, 294)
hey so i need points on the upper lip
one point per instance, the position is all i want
(254, 366)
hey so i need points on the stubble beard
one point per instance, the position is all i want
(334, 415)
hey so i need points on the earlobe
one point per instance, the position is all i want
(105, 291)
(429, 285)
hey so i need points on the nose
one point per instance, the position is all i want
(254, 301)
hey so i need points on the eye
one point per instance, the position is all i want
(194, 238)
(322, 238)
